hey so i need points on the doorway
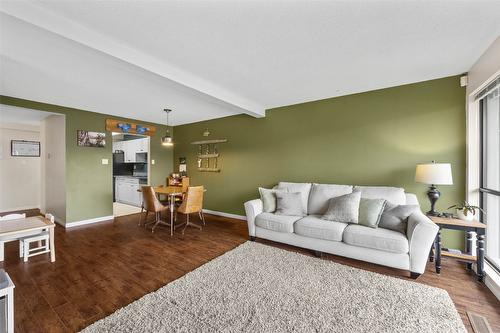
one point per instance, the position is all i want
(130, 172)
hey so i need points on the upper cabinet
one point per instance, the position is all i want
(134, 150)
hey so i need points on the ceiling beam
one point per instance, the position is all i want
(42, 18)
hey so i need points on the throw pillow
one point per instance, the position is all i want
(288, 203)
(268, 198)
(370, 211)
(395, 217)
(344, 208)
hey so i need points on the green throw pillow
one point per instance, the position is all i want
(268, 198)
(370, 211)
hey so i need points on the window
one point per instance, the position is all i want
(489, 108)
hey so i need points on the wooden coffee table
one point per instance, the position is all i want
(469, 227)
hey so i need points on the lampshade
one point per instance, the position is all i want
(434, 173)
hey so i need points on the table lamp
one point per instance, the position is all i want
(434, 174)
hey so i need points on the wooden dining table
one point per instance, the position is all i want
(17, 228)
(171, 192)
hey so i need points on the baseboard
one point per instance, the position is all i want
(233, 216)
(89, 221)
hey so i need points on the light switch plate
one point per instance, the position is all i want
(153, 162)
(104, 161)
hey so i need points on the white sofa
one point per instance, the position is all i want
(381, 246)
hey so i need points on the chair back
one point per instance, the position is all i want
(193, 200)
(151, 202)
(50, 217)
(12, 217)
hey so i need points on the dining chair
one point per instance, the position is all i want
(6, 239)
(42, 239)
(192, 203)
(153, 205)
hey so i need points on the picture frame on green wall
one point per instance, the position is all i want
(91, 139)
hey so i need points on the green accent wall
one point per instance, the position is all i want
(371, 138)
(89, 184)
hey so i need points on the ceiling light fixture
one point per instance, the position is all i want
(167, 139)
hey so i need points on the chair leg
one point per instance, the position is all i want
(157, 221)
(140, 216)
(26, 251)
(202, 216)
(187, 222)
(21, 249)
(1, 251)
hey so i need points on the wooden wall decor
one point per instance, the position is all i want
(208, 154)
(120, 126)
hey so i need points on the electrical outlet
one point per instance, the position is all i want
(104, 161)
(153, 162)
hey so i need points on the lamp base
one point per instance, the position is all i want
(433, 194)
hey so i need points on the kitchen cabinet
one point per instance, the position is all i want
(131, 148)
(126, 191)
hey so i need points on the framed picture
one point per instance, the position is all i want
(91, 139)
(23, 148)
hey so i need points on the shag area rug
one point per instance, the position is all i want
(259, 288)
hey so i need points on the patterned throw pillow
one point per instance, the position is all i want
(395, 217)
(289, 204)
(344, 208)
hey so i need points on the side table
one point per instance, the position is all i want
(467, 226)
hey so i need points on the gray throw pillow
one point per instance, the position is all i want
(268, 198)
(289, 203)
(370, 211)
(395, 217)
(344, 208)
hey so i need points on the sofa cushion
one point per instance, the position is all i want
(315, 227)
(268, 198)
(321, 194)
(394, 195)
(280, 223)
(288, 203)
(370, 211)
(303, 188)
(379, 239)
(344, 208)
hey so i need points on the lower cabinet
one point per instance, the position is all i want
(127, 191)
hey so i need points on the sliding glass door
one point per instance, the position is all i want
(489, 103)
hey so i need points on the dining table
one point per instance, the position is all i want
(17, 228)
(171, 192)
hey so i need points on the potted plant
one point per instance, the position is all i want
(465, 211)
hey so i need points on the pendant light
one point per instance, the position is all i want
(167, 139)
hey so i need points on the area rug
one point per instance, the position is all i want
(259, 288)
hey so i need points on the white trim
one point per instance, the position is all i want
(89, 221)
(492, 280)
(13, 209)
(233, 216)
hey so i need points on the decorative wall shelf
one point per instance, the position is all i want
(208, 142)
(208, 154)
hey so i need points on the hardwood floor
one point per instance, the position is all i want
(103, 267)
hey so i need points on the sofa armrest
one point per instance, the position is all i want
(421, 234)
(252, 209)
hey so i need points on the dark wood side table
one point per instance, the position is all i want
(467, 226)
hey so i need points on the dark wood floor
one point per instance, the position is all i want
(105, 266)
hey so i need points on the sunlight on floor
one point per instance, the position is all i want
(121, 209)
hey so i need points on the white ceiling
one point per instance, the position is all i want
(16, 115)
(210, 59)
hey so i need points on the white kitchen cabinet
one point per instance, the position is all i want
(132, 147)
(126, 191)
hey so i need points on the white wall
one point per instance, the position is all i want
(486, 66)
(20, 177)
(53, 130)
